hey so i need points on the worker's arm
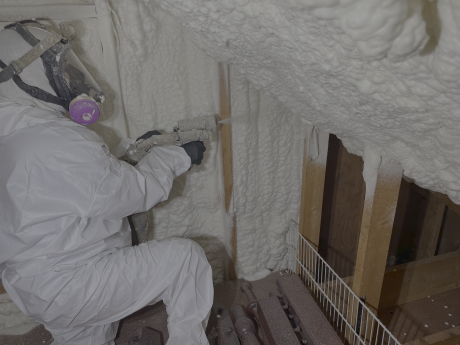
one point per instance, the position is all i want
(85, 179)
(136, 189)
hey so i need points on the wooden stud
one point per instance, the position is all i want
(226, 134)
(431, 227)
(376, 227)
(449, 203)
(2, 289)
(313, 174)
(418, 279)
(342, 208)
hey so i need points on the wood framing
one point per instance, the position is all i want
(342, 208)
(431, 226)
(2, 289)
(376, 227)
(418, 279)
(447, 337)
(449, 203)
(227, 159)
(450, 341)
(313, 174)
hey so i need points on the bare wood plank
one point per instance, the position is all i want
(431, 227)
(451, 341)
(313, 174)
(227, 160)
(419, 279)
(415, 280)
(451, 334)
(449, 240)
(342, 208)
(376, 227)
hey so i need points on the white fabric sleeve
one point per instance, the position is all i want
(121, 148)
(83, 178)
(136, 189)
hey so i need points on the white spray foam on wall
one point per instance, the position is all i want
(361, 69)
(165, 78)
(12, 320)
(267, 164)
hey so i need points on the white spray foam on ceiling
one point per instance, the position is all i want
(378, 73)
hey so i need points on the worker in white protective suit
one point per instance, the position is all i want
(65, 242)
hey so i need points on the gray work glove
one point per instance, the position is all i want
(195, 150)
(148, 135)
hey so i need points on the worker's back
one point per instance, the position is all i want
(49, 174)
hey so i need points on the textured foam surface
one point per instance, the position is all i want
(383, 74)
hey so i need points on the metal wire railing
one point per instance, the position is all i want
(353, 321)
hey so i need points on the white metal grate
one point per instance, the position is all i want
(350, 317)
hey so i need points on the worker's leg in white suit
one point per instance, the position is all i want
(175, 271)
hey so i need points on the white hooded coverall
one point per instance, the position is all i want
(65, 242)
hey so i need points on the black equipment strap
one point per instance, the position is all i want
(34, 91)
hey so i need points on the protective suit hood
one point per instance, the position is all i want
(14, 116)
(14, 46)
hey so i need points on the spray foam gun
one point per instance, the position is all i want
(187, 130)
(198, 128)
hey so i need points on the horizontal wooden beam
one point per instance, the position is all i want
(451, 341)
(419, 279)
(448, 337)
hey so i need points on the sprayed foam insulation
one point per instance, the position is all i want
(384, 75)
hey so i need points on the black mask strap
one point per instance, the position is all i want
(34, 91)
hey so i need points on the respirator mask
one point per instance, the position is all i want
(76, 91)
